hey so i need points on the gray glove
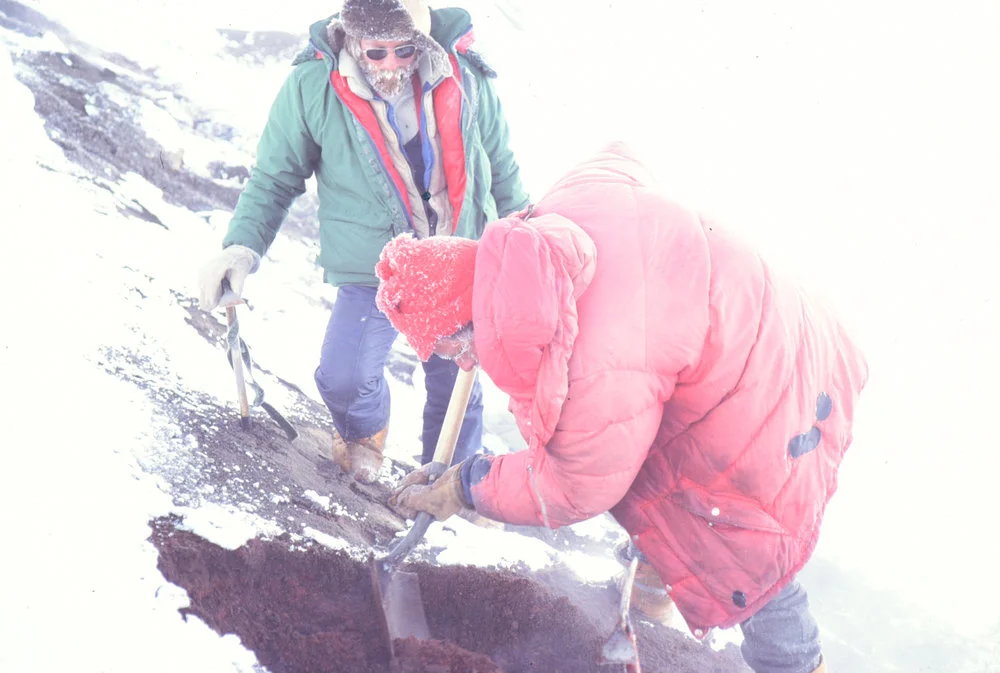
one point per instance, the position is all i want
(235, 263)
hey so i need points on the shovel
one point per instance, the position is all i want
(230, 300)
(620, 650)
(398, 591)
(242, 364)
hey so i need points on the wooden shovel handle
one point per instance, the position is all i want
(443, 453)
(453, 417)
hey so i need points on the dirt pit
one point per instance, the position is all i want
(306, 609)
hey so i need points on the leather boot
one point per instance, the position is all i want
(366, 456)
(649, 595)
(362, 459)
(341, 454)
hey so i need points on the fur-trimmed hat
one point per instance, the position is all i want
(426, 287)
(389, 20)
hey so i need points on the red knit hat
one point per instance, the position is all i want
(426, 287)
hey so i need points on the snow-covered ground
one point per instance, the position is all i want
(856, 142)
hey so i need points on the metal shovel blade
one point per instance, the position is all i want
(397, 591)
(618, 650)
(398, 594)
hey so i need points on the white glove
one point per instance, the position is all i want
(235, 263)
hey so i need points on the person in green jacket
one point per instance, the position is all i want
(398, 120)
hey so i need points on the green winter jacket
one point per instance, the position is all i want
(311, 129)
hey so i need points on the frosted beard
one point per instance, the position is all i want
(388, 83)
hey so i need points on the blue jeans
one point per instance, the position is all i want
(351, 377)
(782, 637)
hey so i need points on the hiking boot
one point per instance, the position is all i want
(366, 456)
(341, 454)
(362, 459)
(650, 596)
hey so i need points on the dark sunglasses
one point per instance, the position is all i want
(403, 51)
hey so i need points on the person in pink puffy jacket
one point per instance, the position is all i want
(659, 369)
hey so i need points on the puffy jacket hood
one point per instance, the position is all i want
(556, 259)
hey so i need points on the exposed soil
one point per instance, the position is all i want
(436, 656)
(88, 100)
(302, 607)
(513, 619)
(305, 609)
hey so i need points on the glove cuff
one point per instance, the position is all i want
(473, 471)
(248, 255)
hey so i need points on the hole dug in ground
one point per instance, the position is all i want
(311, 609)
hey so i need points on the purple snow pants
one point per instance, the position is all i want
(351, 377)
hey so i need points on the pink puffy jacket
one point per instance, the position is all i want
(660, 370)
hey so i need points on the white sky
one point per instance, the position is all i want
(855, 142)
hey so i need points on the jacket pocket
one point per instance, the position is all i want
(723, 509)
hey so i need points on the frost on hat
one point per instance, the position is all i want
(426, 287)
(388, 20)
